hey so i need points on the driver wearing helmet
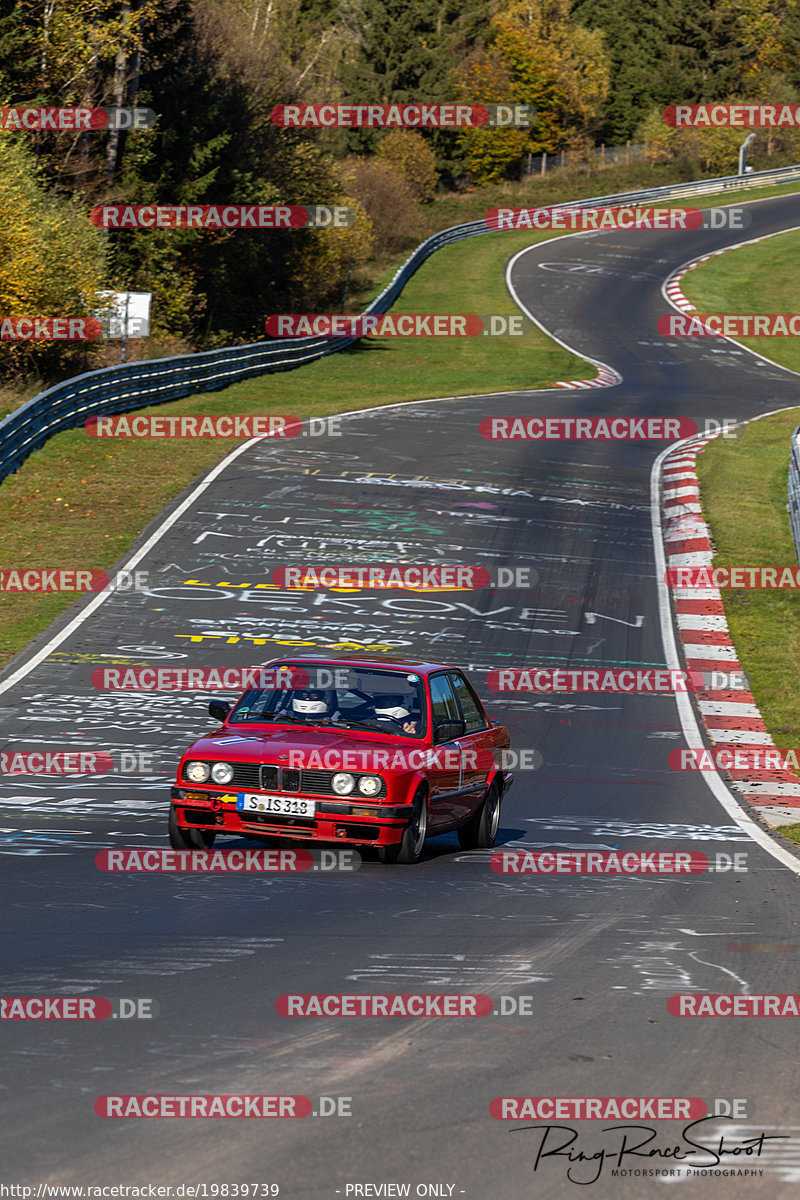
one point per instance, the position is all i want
(393, 707)
(313, 702)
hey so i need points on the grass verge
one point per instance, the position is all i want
(82, 501)
(762, 278)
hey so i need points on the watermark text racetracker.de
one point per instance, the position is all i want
(417, 115)
(653, 680)
(78, 1008)
(233, 862)
(61, 579)
(613, 862)
(404, 577)
(403, 1004)
(711, 1004)
(17, 761)
(221, 425)
(76, 120)
(579, 429)
(734, 758)
(588, 219)
(402, 325)
(724, 578)
(223, 216)
(733, 325)
(720, 116)
(49, 329)
(441, 758)
(203, 679)
(232, 1106)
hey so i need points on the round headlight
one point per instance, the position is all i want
(198, 772)
(343, 783)
(222, 772)
(369, 785)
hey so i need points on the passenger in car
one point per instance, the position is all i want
(394, 708)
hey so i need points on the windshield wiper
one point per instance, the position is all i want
(361, 724)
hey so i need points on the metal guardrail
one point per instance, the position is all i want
(793, 490)
(69, 404)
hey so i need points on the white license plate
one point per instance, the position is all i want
(284, 806)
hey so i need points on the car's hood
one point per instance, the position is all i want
(313, 748)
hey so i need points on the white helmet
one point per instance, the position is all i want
(396, 710)
(317, 707)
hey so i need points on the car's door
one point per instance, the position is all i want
(475, 743)
(444, 771)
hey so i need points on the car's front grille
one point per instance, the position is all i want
(269, 823)
(245, 775)
(269, 779)
(318, 782)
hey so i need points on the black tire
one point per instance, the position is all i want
(409, 849)
(188, 839)
(480, 831)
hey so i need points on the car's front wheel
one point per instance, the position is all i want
(188, 839)
(480, 831)
(409, 849)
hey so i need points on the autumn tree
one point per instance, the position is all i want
(412, 155)
(546, 60)
(52, 261)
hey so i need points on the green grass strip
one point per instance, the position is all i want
(761, 278)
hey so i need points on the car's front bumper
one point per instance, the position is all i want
(333, 821)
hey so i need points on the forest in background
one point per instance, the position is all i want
(597, 71)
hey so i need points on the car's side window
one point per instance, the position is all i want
(443, 702)
(473, 716)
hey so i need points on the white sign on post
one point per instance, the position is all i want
(128, 315)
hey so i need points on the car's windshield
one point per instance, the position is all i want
(339, 695)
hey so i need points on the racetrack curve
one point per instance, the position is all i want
(599, 955)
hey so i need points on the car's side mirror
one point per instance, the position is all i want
(445, 730)
(219, 710)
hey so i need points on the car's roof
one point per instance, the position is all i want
(413, 664)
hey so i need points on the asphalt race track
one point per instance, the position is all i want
(599, 955)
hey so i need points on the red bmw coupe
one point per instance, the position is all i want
(369, 753)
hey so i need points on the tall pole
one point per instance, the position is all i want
(743, 152)
(125, 329)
